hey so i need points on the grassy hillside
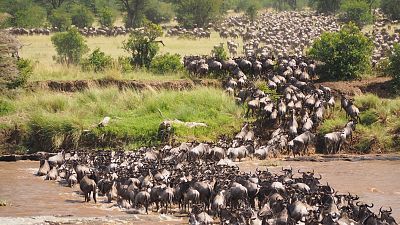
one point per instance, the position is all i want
(50, 120)
(380, 126)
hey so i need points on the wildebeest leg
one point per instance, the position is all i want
(94, 196)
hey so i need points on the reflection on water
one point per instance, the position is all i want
(29, 195)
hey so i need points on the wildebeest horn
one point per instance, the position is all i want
(320, 177)
(299, 171)
(390, 209)
(357, 203)
(380, 210)
(370, 206)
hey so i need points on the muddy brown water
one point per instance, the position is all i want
(29, 196)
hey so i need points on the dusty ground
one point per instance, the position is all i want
(31, 200)
(376, 85)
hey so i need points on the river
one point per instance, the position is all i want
(32, 200)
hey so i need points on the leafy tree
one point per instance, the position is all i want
(30, 17)
(326, 6)
(167, 63)
(53, 4)
(97, 61)
(198, 12)
(134, 12)
(70, 46)
(251, 11)
(106, 17)
(391, 8)
(393, 68)
(61, 19)
(158, 12)
(81, 16)
(356, 11)
(345, 54)
(142, 45)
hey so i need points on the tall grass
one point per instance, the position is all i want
(63, 120)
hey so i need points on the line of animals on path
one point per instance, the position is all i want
(176, 180)
(286, 121)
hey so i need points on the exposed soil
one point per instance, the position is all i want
(380, 86)
(79, 85)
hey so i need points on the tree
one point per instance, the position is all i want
(356, 11)
(158, 12)
(326, 6)
(70, 46)
(251, 11)
(391, 8)
(106, 17)
(142, 45)
(393, 68)
(81, 16)
(61, 19)
(197, 12)
(344, 55)
(30, 17)
(134, 12)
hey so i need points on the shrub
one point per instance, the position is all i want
(6, 107)
(166, 64)
(197, 12)
(356, 11)
(326, 6)
(70, 46)
(30, 17)
(391, 8)
(251, 10)
(142, 44)
(97, 61)
(125, 64)
(159, 12)
(393, 68)
(106, 17)
(345, 54)
(25, 70)
(369, 117)
(61, 19)
(219, 53)
(81, 16)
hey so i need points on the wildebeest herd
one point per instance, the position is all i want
(273, 81)
(191, 179)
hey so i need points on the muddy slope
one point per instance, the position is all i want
(80, 85)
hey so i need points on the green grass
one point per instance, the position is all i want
(40, 49)
(54, 120)
(379, 124)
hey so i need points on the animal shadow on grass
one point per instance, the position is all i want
(74, 201)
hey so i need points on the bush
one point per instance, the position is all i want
(219, 53)
(25, 70)
(6, 107)
(142, 44)
(106, 17)
(356, 11)
(369, 117)
(70, 46)
(159, 12)
(81, 16)
(97, 61)
(61, 19)
(345, 54)
(125, 64)
(325, 6)
(198, 12)
(393, 68)
(30, 17)
(391, 8)
(166, 64)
